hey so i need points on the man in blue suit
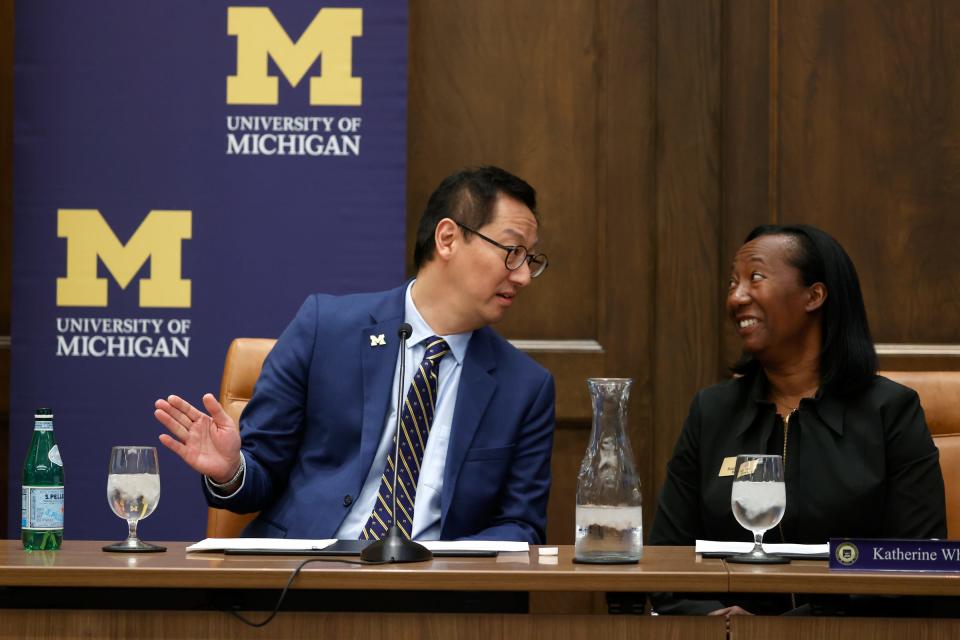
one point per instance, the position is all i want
(314, 449)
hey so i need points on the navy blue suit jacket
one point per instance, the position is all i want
(311, 429)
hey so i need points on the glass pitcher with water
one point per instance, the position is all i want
(609, 512)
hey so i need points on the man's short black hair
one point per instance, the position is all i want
(848, 359)
(468, 197)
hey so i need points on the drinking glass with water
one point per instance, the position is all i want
(133, 491)
(758, 500)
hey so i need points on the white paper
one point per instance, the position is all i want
(284, 544)
(716, 546)
(279, 544)
(474, 545)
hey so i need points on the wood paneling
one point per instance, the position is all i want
(688, 212)
(870, 150)
(496, 83)
(569, 444)
(176, 625)
(627, 249)
(821, 628)
(183, 625)
(815, 576)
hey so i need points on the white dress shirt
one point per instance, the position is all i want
(426, 514)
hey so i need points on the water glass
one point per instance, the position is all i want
(133, 491)
(758, 500)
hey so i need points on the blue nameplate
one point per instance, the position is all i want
(858, 554)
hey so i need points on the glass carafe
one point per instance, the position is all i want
(609, 512)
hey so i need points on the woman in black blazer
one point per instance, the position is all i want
(858, 459)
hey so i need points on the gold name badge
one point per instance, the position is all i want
(727, 467)
(748, 467)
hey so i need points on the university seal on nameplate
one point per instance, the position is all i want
(846, 553)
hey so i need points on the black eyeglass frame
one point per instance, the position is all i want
(530, 258)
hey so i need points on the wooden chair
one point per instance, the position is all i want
(939, 393)
(240, 372)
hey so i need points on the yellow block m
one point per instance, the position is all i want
(259, 34)
(89, 237)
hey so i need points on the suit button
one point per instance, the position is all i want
(347, 500)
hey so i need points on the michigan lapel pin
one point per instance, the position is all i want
(377, 341)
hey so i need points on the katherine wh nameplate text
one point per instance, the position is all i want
(858, 554)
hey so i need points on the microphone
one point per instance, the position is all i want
(394, 546)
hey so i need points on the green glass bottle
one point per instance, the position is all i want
(41, 513)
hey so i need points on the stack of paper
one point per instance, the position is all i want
(793, 550)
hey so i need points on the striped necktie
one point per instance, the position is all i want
(416, 417)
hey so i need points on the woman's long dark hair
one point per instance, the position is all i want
(848, 360)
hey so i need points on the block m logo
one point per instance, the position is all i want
(89, 237)
(329, 37)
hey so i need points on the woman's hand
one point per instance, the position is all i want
(730, 611)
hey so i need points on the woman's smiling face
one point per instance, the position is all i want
(773, 311)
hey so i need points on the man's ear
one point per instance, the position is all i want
(445, 237)
(818, 295)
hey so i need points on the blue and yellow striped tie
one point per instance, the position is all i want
(416, 418)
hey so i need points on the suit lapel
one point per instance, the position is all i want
(473, 395)
(379, 364)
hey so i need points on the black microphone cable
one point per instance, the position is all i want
(239, 616)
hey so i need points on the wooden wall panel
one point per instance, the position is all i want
(628, 248)
(688, 213)
(861, 136)
(497, 83)
(870, 151)
(74, 624)
(569, 444)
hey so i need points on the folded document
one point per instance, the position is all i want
(720, 548)
(273, 544)
(292, 546)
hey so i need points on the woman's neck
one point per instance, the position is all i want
(788, 385)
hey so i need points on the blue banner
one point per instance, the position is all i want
(186, 173)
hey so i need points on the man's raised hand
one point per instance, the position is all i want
(208, 442)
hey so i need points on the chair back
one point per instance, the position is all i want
(939, 393)
(240, 372)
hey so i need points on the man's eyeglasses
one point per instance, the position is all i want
(516, 254)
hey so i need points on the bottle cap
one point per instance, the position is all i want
(43, 413)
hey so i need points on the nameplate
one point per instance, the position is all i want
(857, 554)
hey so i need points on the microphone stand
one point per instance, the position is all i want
(394, 546)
